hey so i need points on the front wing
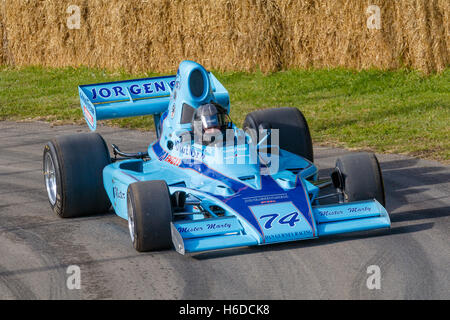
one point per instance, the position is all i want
(279, 223)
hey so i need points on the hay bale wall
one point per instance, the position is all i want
(328, 33)
(270, 35)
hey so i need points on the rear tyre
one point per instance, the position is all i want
(360, 177)
(149, 215)
(73, 174)
(293, 129)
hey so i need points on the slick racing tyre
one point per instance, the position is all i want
(149, 215)
(73, 174)
(359, 177)
(294, 135)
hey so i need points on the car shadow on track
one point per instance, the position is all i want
(408, 181)
(423, 214)
(314, 242)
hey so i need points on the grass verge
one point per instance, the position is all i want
(385, 111)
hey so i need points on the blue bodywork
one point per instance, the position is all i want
(237, 202)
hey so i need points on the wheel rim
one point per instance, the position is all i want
(50, 178)
(130, 219)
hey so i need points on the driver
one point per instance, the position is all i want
(209, 123)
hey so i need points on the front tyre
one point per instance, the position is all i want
(149, 215)
(359, 177)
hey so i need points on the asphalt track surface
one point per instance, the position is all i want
(36, 247)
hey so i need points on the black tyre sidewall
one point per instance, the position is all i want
(294, 133)
(152, 211)
(362, 177)
(383, 202)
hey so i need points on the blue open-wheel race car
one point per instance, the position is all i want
(205, 184)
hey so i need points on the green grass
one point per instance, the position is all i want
(384, 111)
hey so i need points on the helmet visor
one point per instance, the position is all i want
(213, 121)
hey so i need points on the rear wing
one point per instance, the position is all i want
(129, 98)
